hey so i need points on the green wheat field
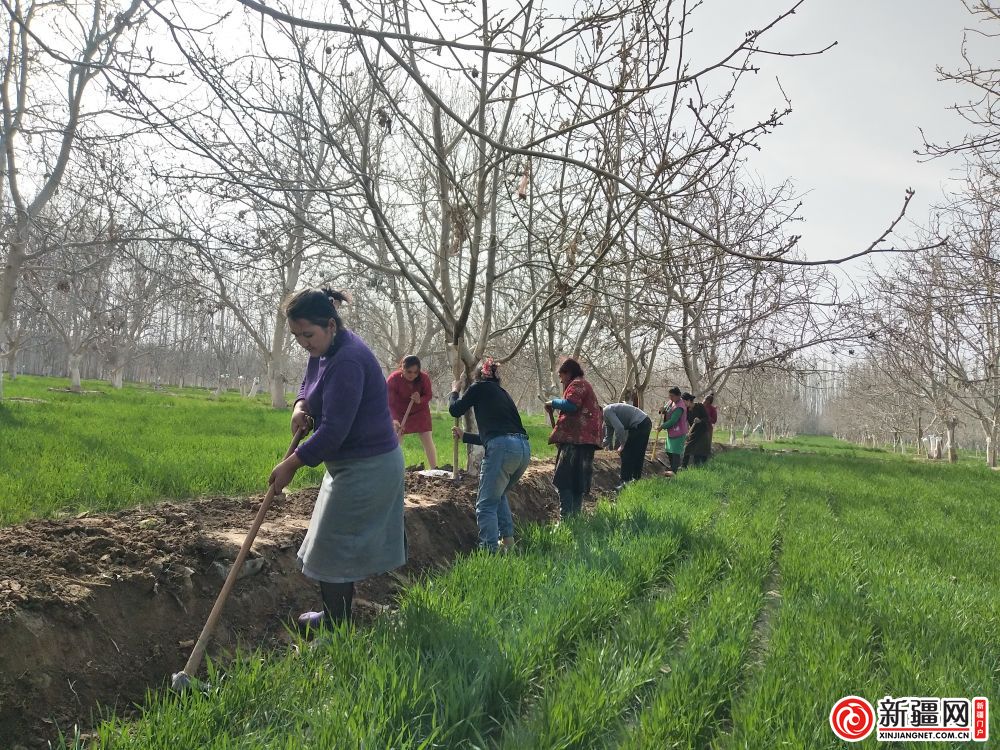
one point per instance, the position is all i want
(68, 453)
(728, 608)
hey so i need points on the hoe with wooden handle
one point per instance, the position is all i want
(552, 417)
(656, 442)
(402, 424)
(183, 679)
(454, 458)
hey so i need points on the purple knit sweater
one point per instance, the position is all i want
(345, 394)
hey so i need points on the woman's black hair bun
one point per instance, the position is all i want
(335, 295)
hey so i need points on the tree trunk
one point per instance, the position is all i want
(75, 360)
(991, 429)
(920, 436)
(116, 370)
(8, 365)
(9, 274)
(639, 396)
(952, 445)
(276, 383)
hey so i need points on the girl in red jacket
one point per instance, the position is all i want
(409, 385)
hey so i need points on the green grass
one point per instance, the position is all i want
(115, 449)
(729, 608)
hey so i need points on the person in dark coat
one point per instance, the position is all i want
(698, 443)
(507, 451)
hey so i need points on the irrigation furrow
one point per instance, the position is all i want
(687, 704)
(584, 702)
(821, 639)
(760, 637)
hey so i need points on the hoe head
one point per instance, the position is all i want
(181, 681)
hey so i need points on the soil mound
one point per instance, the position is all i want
(96, 610)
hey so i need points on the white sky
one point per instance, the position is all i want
(848, 145)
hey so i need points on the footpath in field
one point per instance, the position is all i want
(730, 608)
(100, 609)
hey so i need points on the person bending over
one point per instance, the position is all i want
(627, 428)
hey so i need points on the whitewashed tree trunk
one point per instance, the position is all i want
(952, 444)
(75, 361)
(276, 380)
(992, 443)
(9, 275)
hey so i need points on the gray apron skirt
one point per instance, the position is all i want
(357, 526)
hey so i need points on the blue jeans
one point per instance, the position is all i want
(507, 457)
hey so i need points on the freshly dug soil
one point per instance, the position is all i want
(96, 610)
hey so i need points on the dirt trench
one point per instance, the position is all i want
(96, 610)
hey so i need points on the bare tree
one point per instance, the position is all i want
(982, 82)
(54, 52)
(939, 315)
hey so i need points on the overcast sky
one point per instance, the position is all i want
(849, 143)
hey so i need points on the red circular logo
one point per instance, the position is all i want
(852, 718)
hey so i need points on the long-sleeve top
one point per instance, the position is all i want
(400, 392)
(345, 394)
(618, 419)
(495, 411)
(563, 404)
(584, 423)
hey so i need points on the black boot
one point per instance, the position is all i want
(337, 598)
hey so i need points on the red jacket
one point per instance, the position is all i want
(585, 426)
(400, 390)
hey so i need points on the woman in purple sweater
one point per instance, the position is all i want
(356, 529)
